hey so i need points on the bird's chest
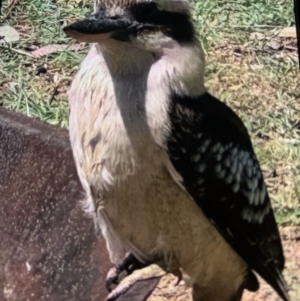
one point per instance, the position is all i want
(127, 180)
(117, 132)
(113, 143)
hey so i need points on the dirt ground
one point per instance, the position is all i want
(166, 291)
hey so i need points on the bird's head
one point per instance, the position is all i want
(147, 24)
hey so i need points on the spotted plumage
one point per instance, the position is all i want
(231, 191)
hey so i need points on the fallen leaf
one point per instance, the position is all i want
(236, 87)
(257, 36)
(45, 50)
(288, 32)
(214, 22)
(56, 78)
(274, 44)
(9, 34)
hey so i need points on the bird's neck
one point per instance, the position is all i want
(180, 68)
(124, 61)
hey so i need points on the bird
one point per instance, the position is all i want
(169, 171)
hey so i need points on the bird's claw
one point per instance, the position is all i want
(147, 272)
(118, 291)
(112, 278)
(128, 264)
(178, 274)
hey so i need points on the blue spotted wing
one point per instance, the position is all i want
(210, 148)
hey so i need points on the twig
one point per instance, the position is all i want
(290, 47)
(19, 51)
(248, 26)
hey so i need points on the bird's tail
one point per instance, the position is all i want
(279, 285)
(281, 288)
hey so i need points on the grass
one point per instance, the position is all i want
(258, 77)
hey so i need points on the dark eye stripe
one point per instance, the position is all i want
(148, 12)
(177, 25)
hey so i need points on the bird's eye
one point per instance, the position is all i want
(140, 29)
(177, 25)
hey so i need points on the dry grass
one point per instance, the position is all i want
(257, 76)
(263, 88)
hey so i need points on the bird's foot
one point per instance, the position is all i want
(112, 277)
(150, 271)
(114, 274)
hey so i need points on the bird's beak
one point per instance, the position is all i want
(97, 28)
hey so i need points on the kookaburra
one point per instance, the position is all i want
(169, 171)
